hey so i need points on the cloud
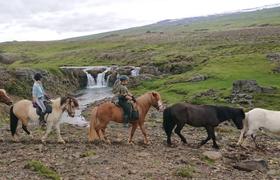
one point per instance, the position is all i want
(53, 19)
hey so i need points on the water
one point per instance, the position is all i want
(91, 81)
(135, 71)
(87, 97)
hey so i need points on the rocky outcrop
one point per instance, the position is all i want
(197, 78)
(176, 67)
(137, 80)
(243, 90)
(124, 70)
(252, 165)
(274, 57)
(8, 58)
(150, 70)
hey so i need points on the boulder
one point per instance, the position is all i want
(252, 165)
(8, 58)
(112, 78)
(198, 78)
(137, 80)
(149, 70)
(176, 67)
(125, 70)
(274, 57)
(248, 86)
(214, 155)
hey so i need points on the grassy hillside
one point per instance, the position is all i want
(223, 47)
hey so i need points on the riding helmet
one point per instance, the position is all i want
(123, 78)
(38, 76)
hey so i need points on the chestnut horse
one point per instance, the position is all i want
(24, 111)
(4, 98)
(106, 112)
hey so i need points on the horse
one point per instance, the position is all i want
(24, 111)
(4, 98)
(108, 111)
(207, 116)
(257, 119)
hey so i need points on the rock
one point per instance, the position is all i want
(252, 165)
(149, 70)
(198, 78)
(276, 69)
(112, 78)
(240, 86)
(274, 57)
(176, 67)
(137, 80)
(125, 70)
(8, 58)
(132, 171)
(214, 155)
(272, 172)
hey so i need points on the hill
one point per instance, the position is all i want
(224, 48)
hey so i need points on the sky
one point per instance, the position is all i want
(42, 20)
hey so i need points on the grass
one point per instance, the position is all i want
(186, 171)
(225, 48)
(41, 169)
(88, 154)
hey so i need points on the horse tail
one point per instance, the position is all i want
(168, 123)
(93, 122)
(13, 121)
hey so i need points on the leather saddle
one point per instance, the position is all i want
(39, 110)
(134, 114)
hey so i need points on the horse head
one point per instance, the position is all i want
(5, 98)
(156, 101)
(238, 119)
(70, 104)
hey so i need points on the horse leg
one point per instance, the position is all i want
(178, 129)
(146, 141)
(49, 129)
(105, 136)
(132, 131)
(208, 136)
(254, 137)
(242, 136)
(60, 139)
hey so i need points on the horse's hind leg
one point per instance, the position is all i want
(24, 127)
(210, 134)
(178, 132)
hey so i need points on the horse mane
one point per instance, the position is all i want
(64, 99)
(224, 112)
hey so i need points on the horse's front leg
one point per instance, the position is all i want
(132, 131)
(178, 132)
(59, 138)
(49, 129)
(146, 141)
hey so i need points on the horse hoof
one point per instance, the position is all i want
(43, 141)
(130, 142)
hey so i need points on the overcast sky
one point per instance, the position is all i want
(58, 19)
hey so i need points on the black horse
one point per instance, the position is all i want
(207, 116)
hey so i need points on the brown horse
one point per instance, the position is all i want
(4, 98)
(106, 112)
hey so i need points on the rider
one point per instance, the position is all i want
(124, 97)
(39, 96)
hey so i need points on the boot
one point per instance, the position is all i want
(125, 121)
(42, 121)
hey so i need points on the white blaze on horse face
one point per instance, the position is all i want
(160, 105)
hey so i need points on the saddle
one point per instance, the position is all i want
(39, 110)
(134, 114)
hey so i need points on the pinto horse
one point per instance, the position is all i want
(106, 112)
(206, 116)
(4, 98)
(24, 111)
(257, 119)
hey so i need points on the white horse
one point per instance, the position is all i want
(24, 111)
(257, 119)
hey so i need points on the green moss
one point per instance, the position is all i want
(88, 154)
(42, 170)
(186, 171)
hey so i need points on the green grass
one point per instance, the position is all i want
(42, 170)
(231, 47)
(186, 171)
(88, 154)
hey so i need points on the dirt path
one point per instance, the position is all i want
(78, 159)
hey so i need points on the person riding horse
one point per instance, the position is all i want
(124, 97)
(39, 97)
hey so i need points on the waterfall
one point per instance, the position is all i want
(90, 80)
(135, 71)
(100, 79)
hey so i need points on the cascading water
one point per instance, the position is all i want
(135, 71)
(90, 80)
(100, 81)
